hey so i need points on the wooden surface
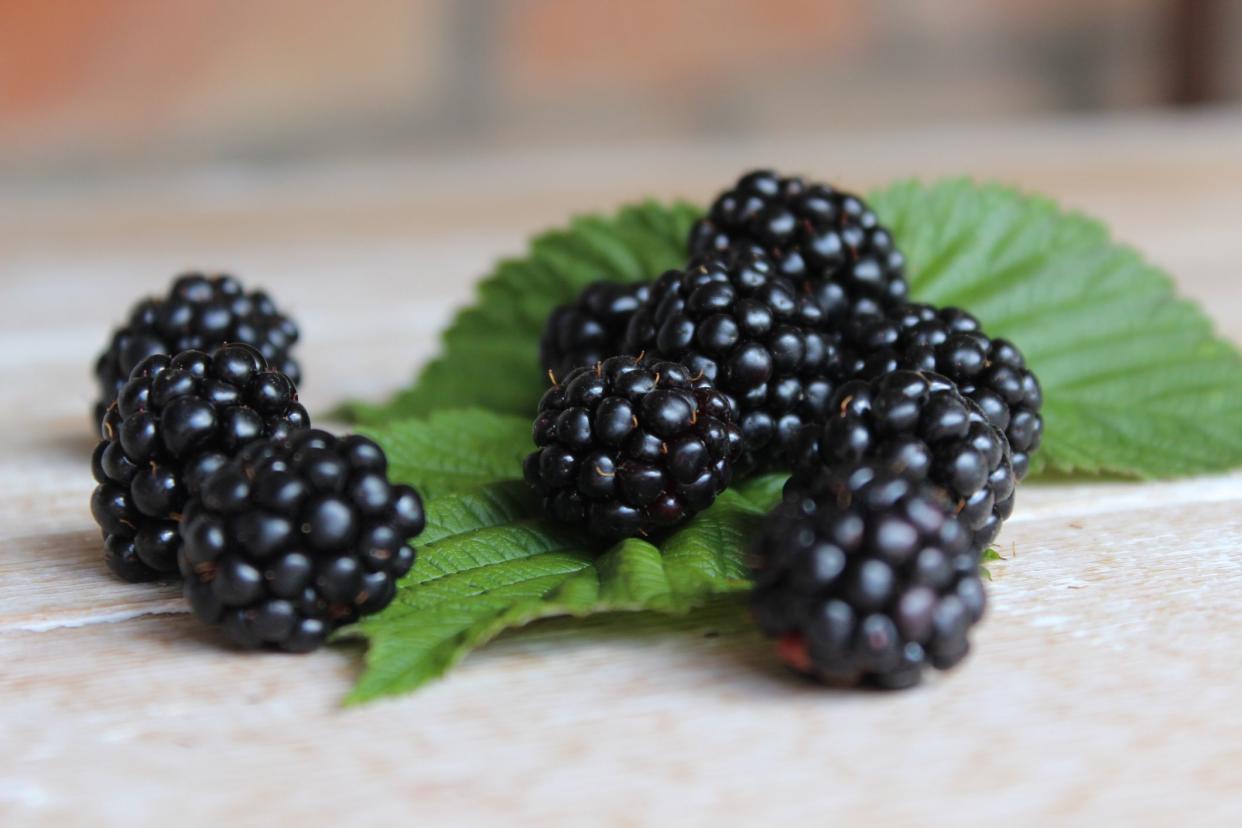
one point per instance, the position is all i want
(1106, 685)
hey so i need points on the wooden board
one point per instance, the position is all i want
(1106, 683)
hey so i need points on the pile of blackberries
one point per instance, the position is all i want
(787, 343)
(208, 467)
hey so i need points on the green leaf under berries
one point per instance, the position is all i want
(1134, 384)
(487, 562)
(454, 450)
(490, 357)
(1134, 381)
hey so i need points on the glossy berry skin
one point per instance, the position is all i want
(866, 577)
(176, 420)
(739, 326)
(951, 342)
(295, 537)
(198, 313)
(630, 448)
(918, 423)
(591, 328)
(828, 242)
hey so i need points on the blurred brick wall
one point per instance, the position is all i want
(83, 78)
(87, 82)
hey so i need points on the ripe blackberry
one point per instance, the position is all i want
(199, 313)
(867, 577)
(950, 341)
(827, 241)
(295, 537)
(919, 423)
(737, 324)
(177, 420)
(591, 328)
(628, 447)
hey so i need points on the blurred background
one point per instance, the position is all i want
(100, 87)
(367, 161)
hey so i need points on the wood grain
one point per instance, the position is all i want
(1105, 684)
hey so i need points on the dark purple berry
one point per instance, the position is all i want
(867, 577)
(295, 537)
(827, 242)
(175, 436)
(199, 313)
(630, 447)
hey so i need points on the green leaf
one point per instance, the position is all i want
(491, 350)
(763, 491)
(454, 450)
(487, 563)
(1134, 382)
(987, 557)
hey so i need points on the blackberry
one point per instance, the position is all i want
(737, 324)
(867, 577)
(199, 313)
(827, 241)
(919, 423)
(629, 447)
(950, 341)
(295, 537)
(591, 328)
(178, 419)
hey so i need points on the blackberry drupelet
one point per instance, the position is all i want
(950, 341)
(178, 419)
(738, 325)
(628, 447)
(827, 241)
(199, 313)
(918, 423)
(591, 328)
(867, 577)
(295, 537)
